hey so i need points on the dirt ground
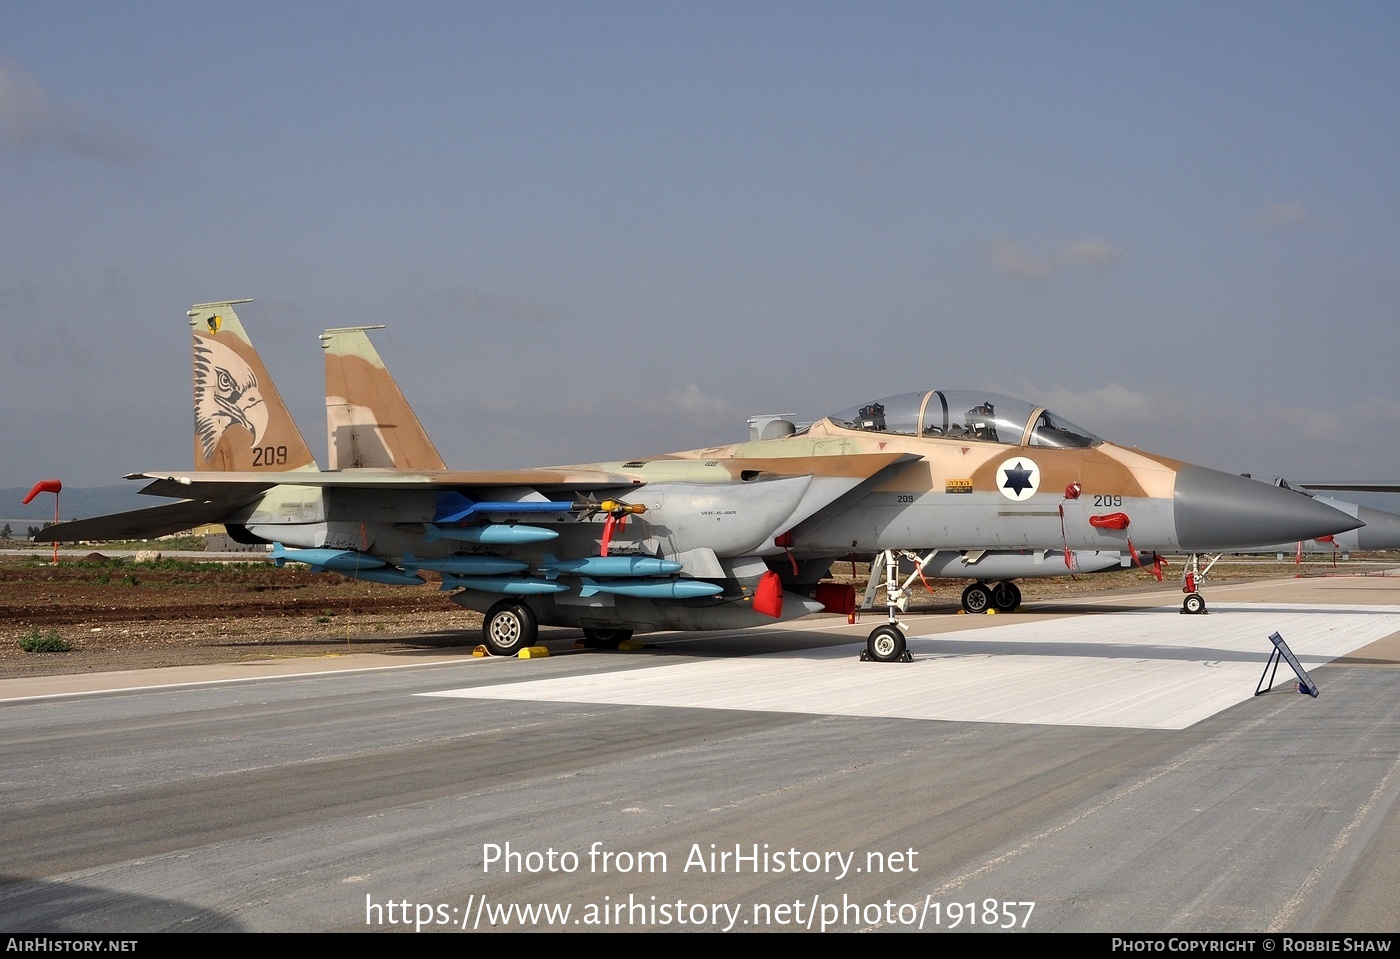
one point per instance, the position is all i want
(119, 614)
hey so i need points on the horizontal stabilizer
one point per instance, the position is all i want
(137, 524)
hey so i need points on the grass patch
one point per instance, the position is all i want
(163, 565)
(50, 642)
(186, 544)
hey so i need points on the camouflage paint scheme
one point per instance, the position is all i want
(737, 516)
(368, 421)
(240, 421)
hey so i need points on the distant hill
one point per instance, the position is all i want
(74, 503)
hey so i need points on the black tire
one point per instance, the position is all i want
(977, 598)
(605, 638)
(509, 627)
(1193, 603)
(886, 643)
(1006, 597)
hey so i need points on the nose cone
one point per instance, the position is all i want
(1222, 511)
(1382, 529)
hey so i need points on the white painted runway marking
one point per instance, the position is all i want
(1151, 669)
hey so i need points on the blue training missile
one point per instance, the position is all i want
(497, 534)
(609, 566)
(509, 585)
(468, 565)
(340, 560)
(453, 507)
(653, 588)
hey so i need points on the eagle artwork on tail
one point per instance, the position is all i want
(225, 394)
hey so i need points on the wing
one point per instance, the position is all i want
(1381, 486)
(239, 486)
(741, 505)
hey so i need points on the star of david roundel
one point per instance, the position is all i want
(1018, 478)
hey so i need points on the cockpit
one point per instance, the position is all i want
(967, 415)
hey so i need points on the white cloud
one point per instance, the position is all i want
(1283, 215)
(30, 120)
(690, 399)
(1011, 259)
(1087, 408)
(1088, 253)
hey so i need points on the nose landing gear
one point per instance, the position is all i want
(1192, 578)
(886, 643)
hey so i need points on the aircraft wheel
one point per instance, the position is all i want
(886, 643)
(509, 627)
(605, 638)
(1193, 603)
(1006, 597)
(976, 598)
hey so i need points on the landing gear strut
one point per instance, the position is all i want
(1192, 579)
(886, 643)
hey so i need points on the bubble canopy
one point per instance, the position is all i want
(967, 415)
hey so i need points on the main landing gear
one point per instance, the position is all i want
(509, 627)
(605, 638)
(1004, 597)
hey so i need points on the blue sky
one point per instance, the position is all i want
(603, 230)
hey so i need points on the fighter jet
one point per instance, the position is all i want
(717, 538)
(369, 422)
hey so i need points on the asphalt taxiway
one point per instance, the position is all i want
(1104, 760)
